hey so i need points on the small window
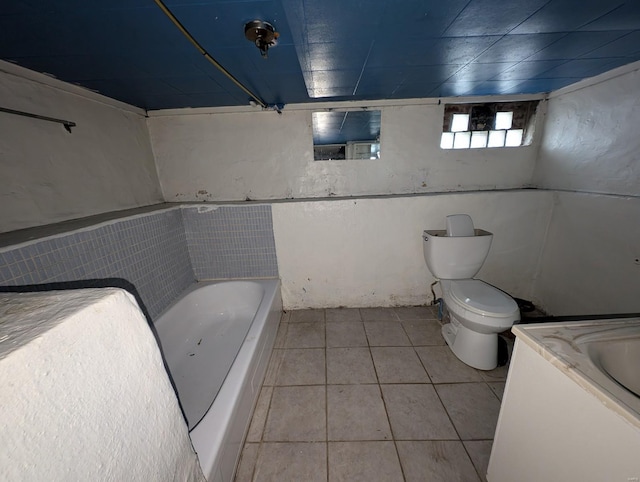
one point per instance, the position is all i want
(478, 126)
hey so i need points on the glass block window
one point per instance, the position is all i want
(489, 125)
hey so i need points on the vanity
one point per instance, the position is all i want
(571, 407)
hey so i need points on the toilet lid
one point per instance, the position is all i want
(483, 298)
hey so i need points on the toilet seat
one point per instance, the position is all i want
(482, 299)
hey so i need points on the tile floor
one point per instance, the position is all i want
(373, 395)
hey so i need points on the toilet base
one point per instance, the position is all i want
(478, 350)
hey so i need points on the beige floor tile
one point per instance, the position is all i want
(356, 412)
(305, 335)
(363, 462)
(496, 375)
(350, 366)
(378, 314)
(411, 313)
(424, 333)
(444, 367)
(436, 461)
(479, 451)
(248, 459)
(302, 366)
(281, 336)
(273, 368)
(342, 314)
(398, 365)
(386, 333)
(285, 317)
(297, 414)
(415, 413)
(346, 334)
(497, 388)
(292, 462)
(260, 415)
(473, 408)
(306, 316)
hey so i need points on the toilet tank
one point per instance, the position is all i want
(455, 257)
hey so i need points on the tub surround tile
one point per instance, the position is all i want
(436, 461)
(363, 461)
(444, 367)
(350, 366)
(305, 335)
(292, 462)
(302, 367)
(398, 365)
(479, 451)
(473, 408)
(260, 415)
(345, 334)
(306, 316)
(386, 333)
(416, 413)
(342, 314)
(159, 253)
(244, 243)
(424, 332)
(356, 412)
(297, 414)
(378, 314)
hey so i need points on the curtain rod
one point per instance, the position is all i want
(206, 55)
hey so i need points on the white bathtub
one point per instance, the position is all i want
(216, 340)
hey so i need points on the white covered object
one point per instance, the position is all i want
(85, 395)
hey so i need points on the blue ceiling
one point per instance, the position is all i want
(327, 50)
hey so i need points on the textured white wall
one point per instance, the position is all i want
(591, 144)
(368, 252)
(85, 393)
(591, 140)
(49, 175)
(263, 155)
(589, 262)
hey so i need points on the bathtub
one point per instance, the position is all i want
(216, 341)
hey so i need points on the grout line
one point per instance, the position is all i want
(326, 396)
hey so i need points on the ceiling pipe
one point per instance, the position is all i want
(213, 61)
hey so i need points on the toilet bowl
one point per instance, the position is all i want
(478, 311)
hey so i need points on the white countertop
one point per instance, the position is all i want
(565, 345)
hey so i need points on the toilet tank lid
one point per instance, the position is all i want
(482, 297)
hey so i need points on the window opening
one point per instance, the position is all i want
(488, 125)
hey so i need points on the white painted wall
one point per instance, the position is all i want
(219, 155)
(591, 145)
(589, 262)
(49, 175)
(368, 252)
(591, 140)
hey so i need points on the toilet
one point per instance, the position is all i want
(478, 311)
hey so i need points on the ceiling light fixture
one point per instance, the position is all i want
(262, 34)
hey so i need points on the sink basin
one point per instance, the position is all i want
(620, 360)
